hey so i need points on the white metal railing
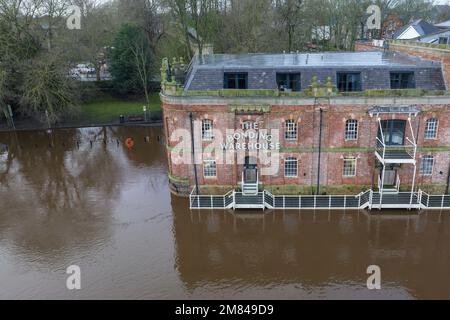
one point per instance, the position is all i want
(316, 202)
(381, 148)
(397, 186)
(368, 199)
(409, 147)
(211, 201)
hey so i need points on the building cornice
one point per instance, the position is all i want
(304, 101)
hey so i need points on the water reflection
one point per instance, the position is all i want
(314, 254)
(59, 188)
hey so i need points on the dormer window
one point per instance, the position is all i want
(288, 81)
(402, 80)
(234, 80)
(349, 81)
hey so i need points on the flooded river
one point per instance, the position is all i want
(79, 197)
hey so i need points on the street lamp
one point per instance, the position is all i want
(144, 108)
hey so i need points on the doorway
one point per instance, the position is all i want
(393, 132)
(250, 170)
(390, 177)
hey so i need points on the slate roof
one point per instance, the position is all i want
(315, 60)
(207, 72)
(422, 27)
(445, 24)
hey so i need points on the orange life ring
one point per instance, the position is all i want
(129, 143)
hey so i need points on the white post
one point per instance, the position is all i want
(370, 199)
(420, 199)
(413, 186)
(234, 199)
(382, 186)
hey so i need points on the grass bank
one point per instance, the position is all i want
(107, 108)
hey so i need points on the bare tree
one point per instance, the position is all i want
(140, 51)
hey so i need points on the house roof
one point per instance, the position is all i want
(422, 28)
(432, 37)
(445, 24)
(313, 60)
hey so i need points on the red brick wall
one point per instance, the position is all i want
(335, 148)
(366, 46)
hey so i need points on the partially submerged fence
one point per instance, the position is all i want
(364, 200)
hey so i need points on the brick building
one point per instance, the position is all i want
(335, 123)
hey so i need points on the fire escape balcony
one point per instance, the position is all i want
(388, 152)
(396, 154)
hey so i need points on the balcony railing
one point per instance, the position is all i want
(397, 153)
(381, 186)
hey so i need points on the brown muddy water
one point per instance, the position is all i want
(109, 211)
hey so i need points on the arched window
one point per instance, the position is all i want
(207, 130)
(291, 130)
(431, 129)
(291, 168)
(351, 130)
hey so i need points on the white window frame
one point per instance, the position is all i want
(207, 130)
(345, 173)
(430, 170)
(207, 166)
(290, 174)
(351, 135)
(434, 129)
(291, 130)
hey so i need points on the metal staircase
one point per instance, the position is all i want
(389, 189)
(250, 187)
(395, 154)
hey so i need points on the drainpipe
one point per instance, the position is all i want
(320, 151)
(447, 190)
(193, 153)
